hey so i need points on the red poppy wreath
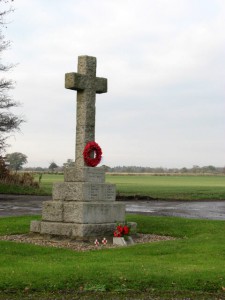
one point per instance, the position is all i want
(89, 149)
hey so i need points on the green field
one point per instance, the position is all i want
(160, 187)
(157, 187)
(193, 265)
(172, 187)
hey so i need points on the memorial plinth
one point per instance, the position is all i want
(82, 206)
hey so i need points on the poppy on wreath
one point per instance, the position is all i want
(90, 149)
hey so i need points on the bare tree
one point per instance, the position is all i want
(9, 122)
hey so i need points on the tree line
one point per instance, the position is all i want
(16, 161)
(53, 167)
(160, 170)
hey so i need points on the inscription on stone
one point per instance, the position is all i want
(94, 192)
(86, 174)
(88, 190)
(99, 192)
(93, 175)
(110, 192)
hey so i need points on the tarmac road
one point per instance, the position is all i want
(213, 210)
(21, 205)
(18, 205)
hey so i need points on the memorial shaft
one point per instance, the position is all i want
(87, 85)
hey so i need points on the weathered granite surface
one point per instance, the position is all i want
(85, 174)
(87, 85)
(83, 205)
(73, 230)
(83, 213)
(84, 191)
(81, 208)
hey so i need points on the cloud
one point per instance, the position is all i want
(165, 67)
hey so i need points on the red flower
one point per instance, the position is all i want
(120, 228)
(117, 234)
(126, 229)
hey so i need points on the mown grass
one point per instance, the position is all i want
(157, 187)
(16, 225)
(172, 187)
(194, 262)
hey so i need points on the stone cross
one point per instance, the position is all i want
(87, 85)
(83, 206)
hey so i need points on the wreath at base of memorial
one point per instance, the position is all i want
(89, 149)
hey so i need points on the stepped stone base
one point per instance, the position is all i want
(72, 230)
(82, 206)
(80, 212)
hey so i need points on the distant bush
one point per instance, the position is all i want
(4, 172)
(21, 179)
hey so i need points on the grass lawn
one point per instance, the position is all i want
(158, 187)
(194, 264)
(172, 187)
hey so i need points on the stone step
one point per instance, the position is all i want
(83, 191)
(85, 174)
(72, 230)
(83, 212)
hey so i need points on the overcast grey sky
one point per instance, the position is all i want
(165, 64)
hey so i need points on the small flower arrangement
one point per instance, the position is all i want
(96, 243)
(122, 230)
(104, 242)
